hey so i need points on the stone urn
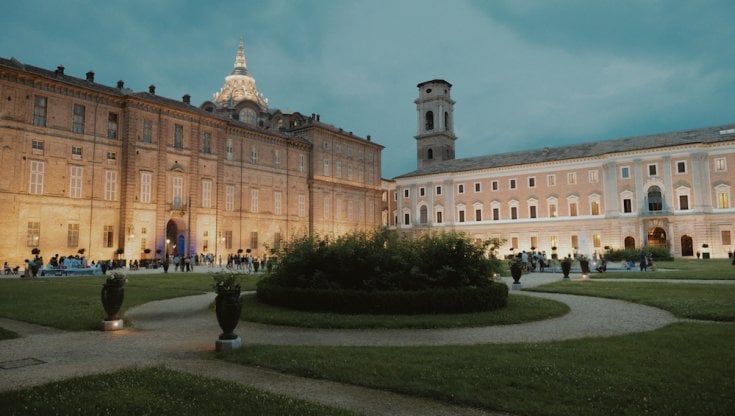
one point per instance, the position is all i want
(585, 266)
(112, 295)
(227, 306)
(566, 267)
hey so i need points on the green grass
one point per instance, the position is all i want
(713, 269)
(73, 303)
(7, 334)
(520, 309)
(682, 369)
(695, 300)
(152, 391)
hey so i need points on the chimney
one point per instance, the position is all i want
(120, 84)
(152, 89)
(187, 99)
(90, 76)
(317, 117)
(59, 70)
(368, 137)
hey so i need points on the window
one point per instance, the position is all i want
(254, 239)
(514, 213)
(422, 191)
(111, 156)
(573, 207)
(37, 147)
(178, 136)
(496, 214)
(596, 240)
(439, 215)
(229, 149)
(720, 164)
(72, 235)
(478, 187)
(146, 179)
(551, 205)
(277, 203)
(110, 185)
(405, 193)
(572, 178)
(478, 214)
(338, 169)
(302, 163)
(532, 182)
(726, 240)
(33, 234)
(625, 172)
(551, 180)
(77, 120)
(206, 193)
(723, 196)
(683, 202)
(514, 243)
(36, 182)
(554, 241)
(112, 126)
(429, 120)
(438, 190)
(532, 211)
(512, 184)
(254, 200)
(147, 131)
(206, 142)
(430, 154)
(277, 158)
(652, 169)
(302, 205)
(177, 192)
(76, 152)
(326, 167)
(681, 167)
(107, 236)
(228, 240)
(655, 200)
(230, 198)
(75, 181)
(595, 207)
(594, 176)
(39, 111)
(277, 240)
(494, 185)
(627, 205)
(326, 204)
(461, 214)
(460, 188)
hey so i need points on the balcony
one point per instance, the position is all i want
(178, 208)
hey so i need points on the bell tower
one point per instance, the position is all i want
(435, 129)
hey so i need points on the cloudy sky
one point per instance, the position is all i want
(525, 73)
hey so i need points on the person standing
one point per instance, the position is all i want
(644, 262)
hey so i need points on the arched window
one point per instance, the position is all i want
(629, 242)
(423, 214)
(687, 247)
(429, 120)
(655, 201)
(430, 154)
(446, 121)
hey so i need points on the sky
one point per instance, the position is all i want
(525, 73)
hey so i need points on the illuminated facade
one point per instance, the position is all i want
(672, 189)
(101, 168)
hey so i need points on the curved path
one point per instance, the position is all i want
(172, 332)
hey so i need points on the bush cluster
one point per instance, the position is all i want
(380, 269)
(634, 254)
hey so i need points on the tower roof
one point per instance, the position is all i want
(240, 85)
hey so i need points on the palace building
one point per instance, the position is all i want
(107, 169)
(671, 189)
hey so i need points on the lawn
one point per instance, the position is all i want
(153, 391)
(712, 269)
(520, 309)
(686, 300)
(73, 303)
(682, 369)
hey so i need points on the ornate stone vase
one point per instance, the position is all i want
(566, 267)
(585, 266)
(227, 306)
(113, 292)
(515, 272)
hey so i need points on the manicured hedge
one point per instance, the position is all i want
(658, 254)
(427, 301)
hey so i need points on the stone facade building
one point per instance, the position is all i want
(672, 189)
(101, 168)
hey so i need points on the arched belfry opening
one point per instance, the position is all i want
(430, 154)
(429, 121)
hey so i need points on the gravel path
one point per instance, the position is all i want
(173, 332)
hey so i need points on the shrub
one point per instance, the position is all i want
(378, 262)
(634, 254)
